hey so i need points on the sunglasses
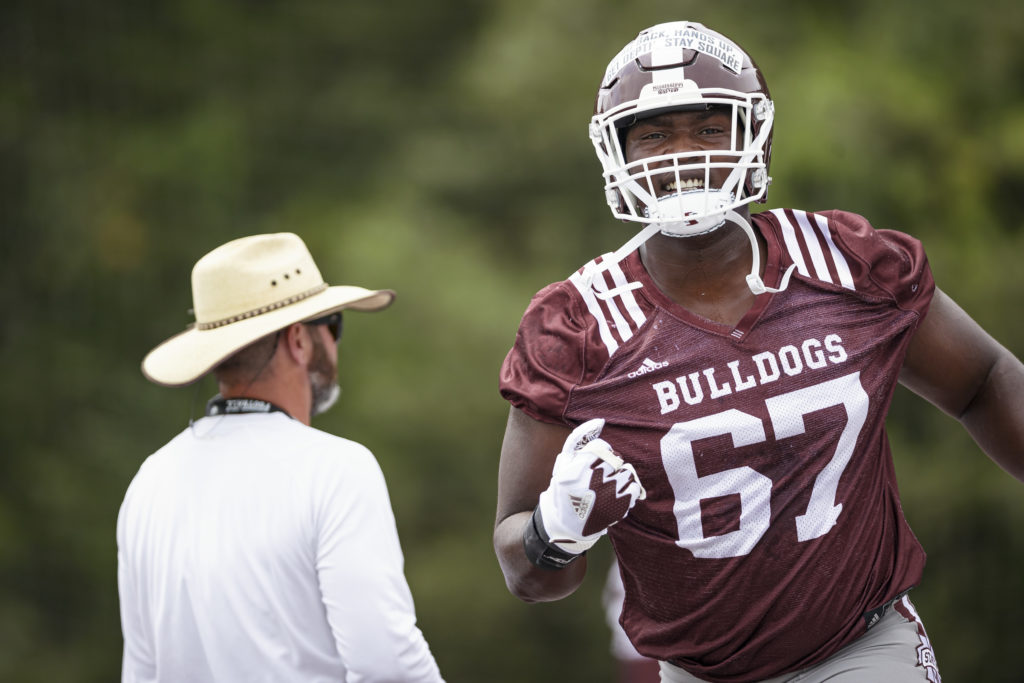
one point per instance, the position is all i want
(333, 323)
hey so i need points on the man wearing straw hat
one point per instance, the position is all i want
(253, 547)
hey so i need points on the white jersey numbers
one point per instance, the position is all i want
(755, 489)
(786, 413)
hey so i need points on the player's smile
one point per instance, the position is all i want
(672, 184)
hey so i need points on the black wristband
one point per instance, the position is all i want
(539, 549)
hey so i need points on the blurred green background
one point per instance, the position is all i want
(440, 148)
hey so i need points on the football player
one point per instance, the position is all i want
(712, 396)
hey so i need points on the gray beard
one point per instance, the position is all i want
(324, 397)
(323, 383)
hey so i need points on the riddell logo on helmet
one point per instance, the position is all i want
(647, 366)
(669, 87)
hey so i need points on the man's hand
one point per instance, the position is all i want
(591, 489)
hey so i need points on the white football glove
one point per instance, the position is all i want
(591, 489)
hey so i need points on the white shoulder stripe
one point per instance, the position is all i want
(628, 300)
(842, 267)
(789, 235)
(612, 325)
(600, 284)
(806, 234)
(586, 291)
(813, 247)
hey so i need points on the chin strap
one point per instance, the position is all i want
(754, 281)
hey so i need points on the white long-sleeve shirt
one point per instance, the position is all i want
(254, 548)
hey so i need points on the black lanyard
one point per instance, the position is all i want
(218, 405)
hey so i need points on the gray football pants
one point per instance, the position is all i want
(894, 650)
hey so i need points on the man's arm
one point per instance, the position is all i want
(953, 363)
(138, 658)
(359, 564)
(527, 457)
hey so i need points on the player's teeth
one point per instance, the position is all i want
(691, 184)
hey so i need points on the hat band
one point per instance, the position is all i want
(263, 309)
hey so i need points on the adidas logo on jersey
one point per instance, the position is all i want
(647, 366)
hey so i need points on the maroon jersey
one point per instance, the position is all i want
(772, 522)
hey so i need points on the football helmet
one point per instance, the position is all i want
(680, 66)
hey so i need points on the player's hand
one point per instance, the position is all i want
(591, 489)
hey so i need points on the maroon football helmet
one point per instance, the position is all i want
(681, 66)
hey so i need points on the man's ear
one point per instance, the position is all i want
(298, 343)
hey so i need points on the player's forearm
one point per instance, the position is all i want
(995, 417)
(525, 580)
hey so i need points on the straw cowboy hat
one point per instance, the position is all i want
(244, 290)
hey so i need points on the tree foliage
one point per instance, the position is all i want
(440, 149)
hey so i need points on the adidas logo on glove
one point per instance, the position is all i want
(581, 504)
